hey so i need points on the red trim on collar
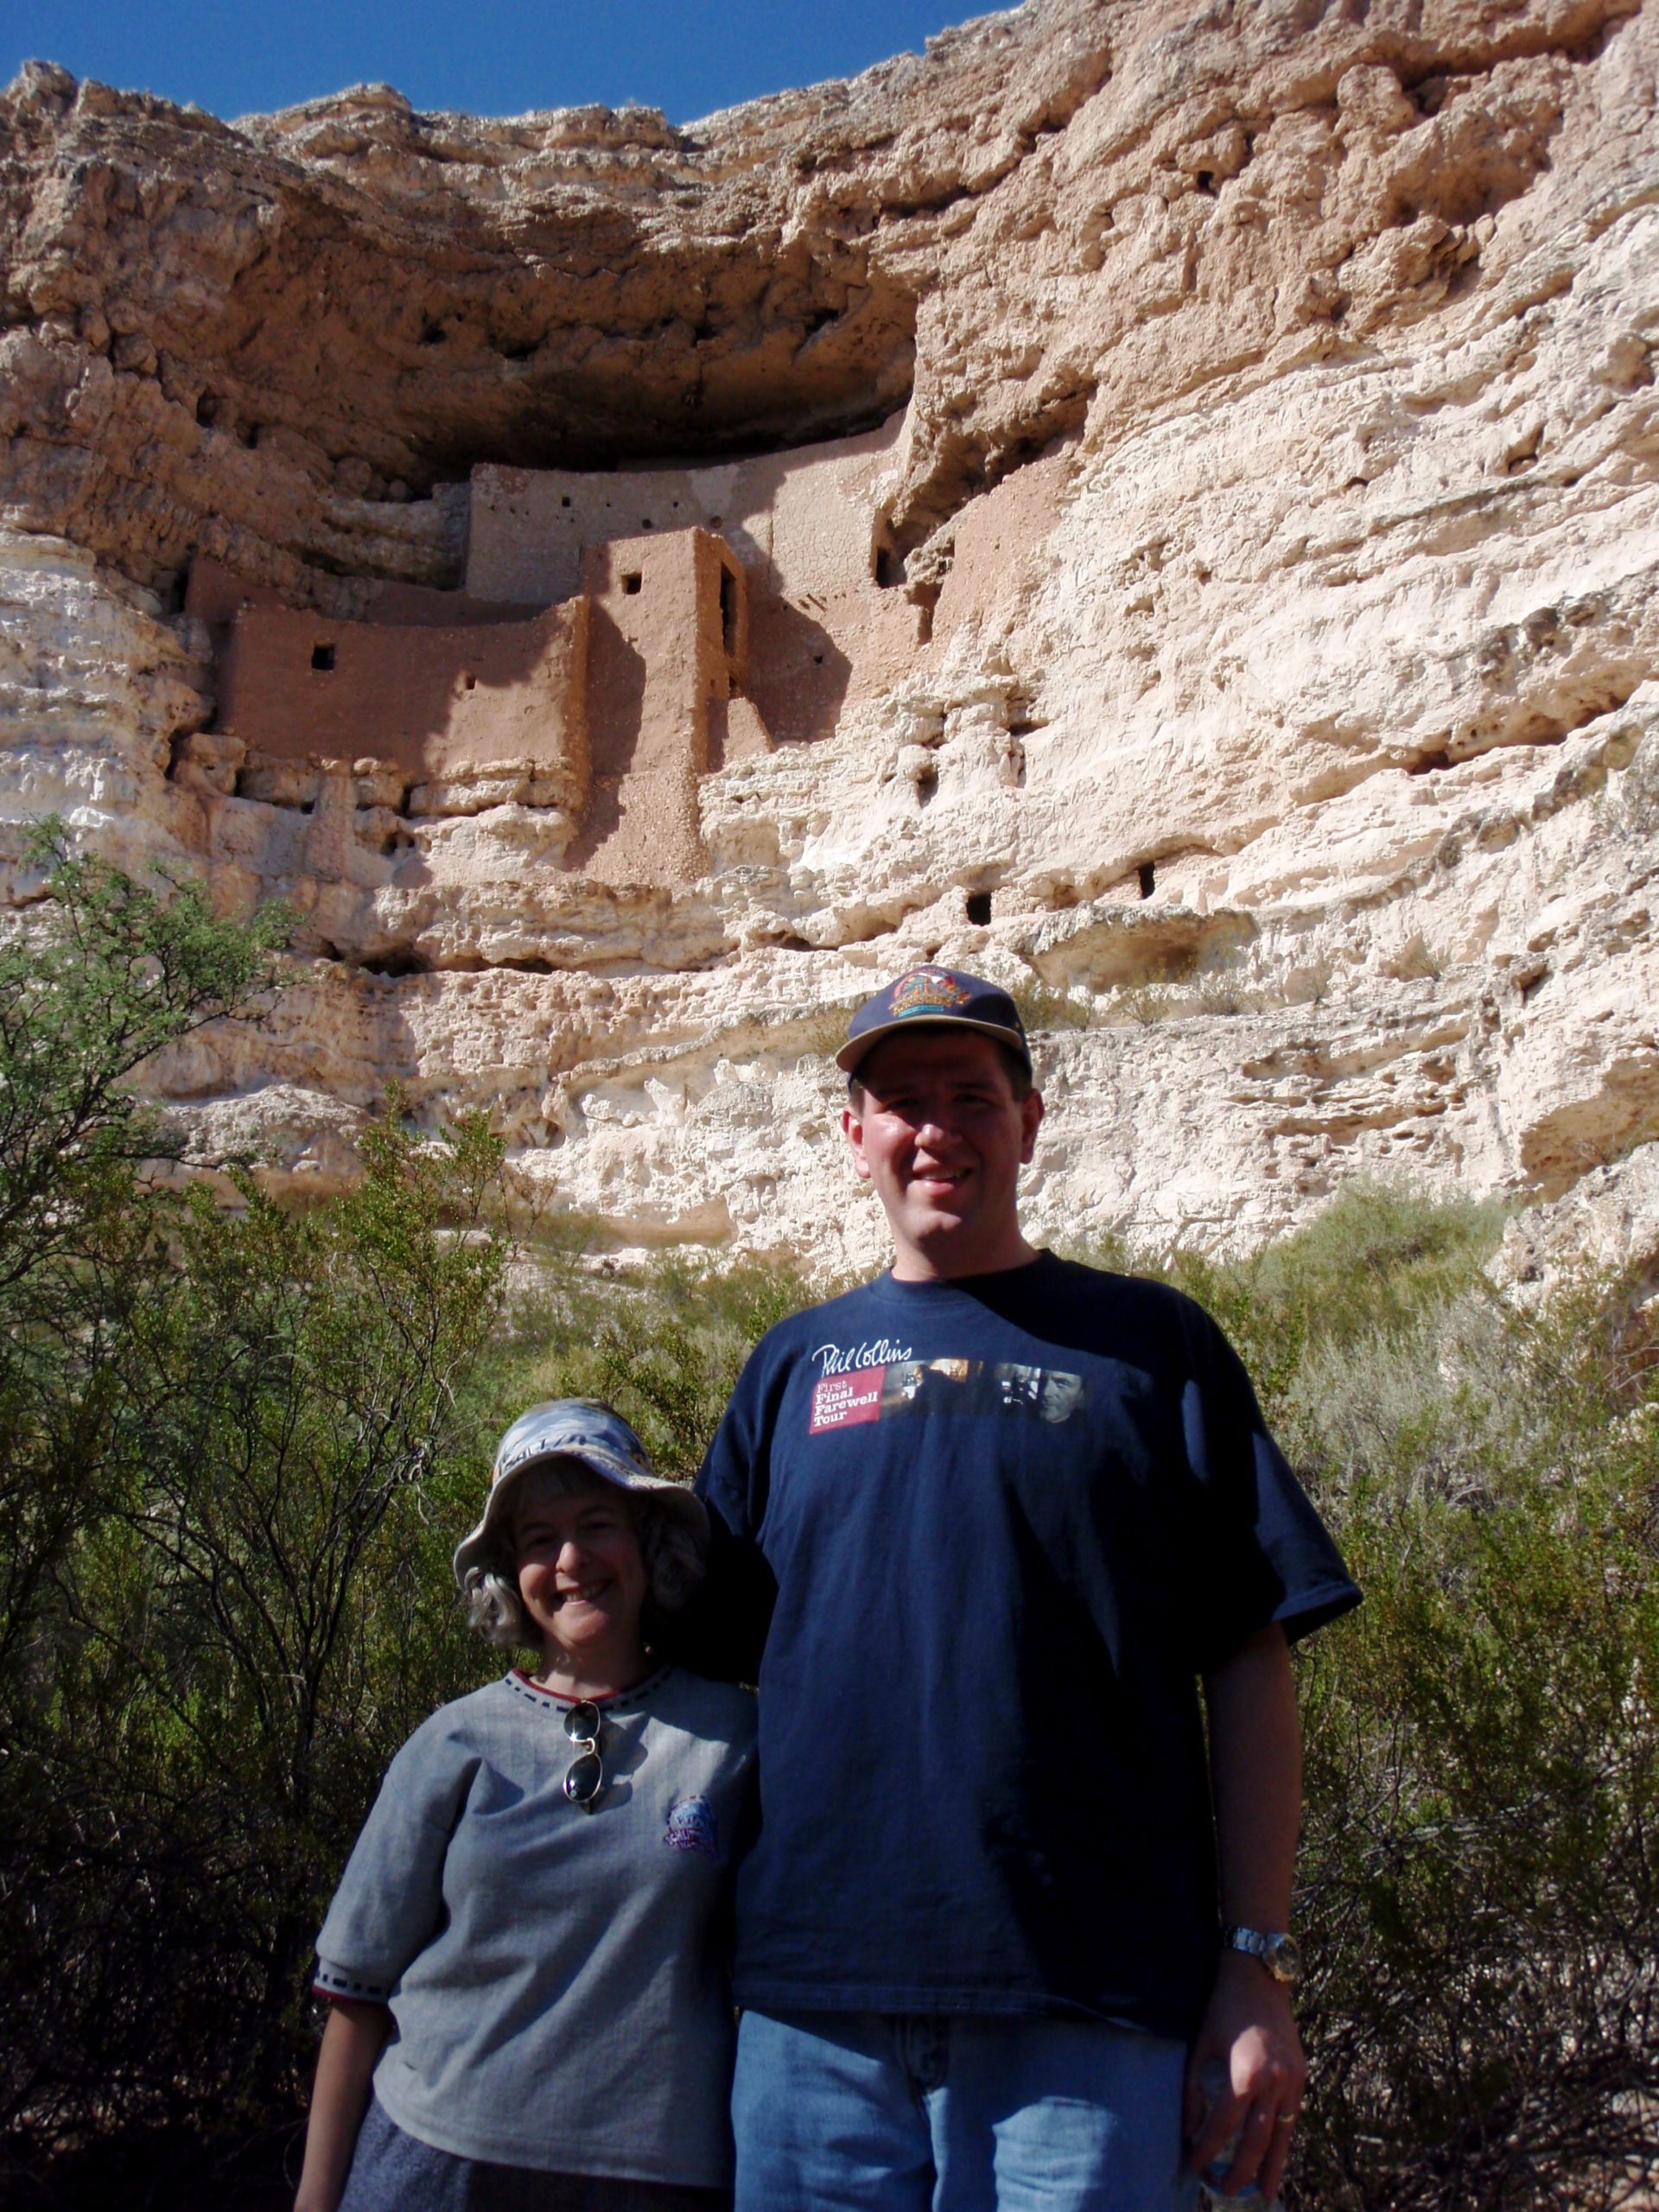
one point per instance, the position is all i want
(611, 1697)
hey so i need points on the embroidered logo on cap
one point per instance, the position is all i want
(692, 1827)
(926, 990)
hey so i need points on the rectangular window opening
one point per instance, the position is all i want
(729, 613)
(323, 657)
(631, 582)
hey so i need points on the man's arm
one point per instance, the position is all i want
(1248, 2033)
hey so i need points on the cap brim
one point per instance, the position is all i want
(856, 1048)
(675, 1498)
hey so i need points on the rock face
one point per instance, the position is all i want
(1159, 504)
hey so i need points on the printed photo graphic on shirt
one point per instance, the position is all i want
(904, 1389)
(692, 1827)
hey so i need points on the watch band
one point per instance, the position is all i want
(1277, 1953)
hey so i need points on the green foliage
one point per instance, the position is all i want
(103, 975)
(662, 1344)
(1481, 1868)
(1379, 1260)
(118, 972)
(246, 1630)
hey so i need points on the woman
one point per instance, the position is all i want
(524, 1957)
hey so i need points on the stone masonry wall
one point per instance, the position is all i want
(433, 702)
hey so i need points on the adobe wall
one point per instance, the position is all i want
(216, 594)
(434, 702)
(824, 634)
(606, 706)
(663, 647)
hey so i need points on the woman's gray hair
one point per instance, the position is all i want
(674, 1557)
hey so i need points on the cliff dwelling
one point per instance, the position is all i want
(614, 637)
(1157, 505)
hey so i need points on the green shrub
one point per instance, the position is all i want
(1480, 1871)
(98, 976)
(663, 1343)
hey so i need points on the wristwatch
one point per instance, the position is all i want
(1278, 1953)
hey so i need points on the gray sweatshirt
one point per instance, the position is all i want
(557, 1978)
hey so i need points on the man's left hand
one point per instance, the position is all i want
(1249, 2038)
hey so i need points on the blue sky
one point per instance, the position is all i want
(491, 57)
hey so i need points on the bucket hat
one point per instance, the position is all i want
(571, 1428)
(935, 998)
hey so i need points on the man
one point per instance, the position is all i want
(986, 1525)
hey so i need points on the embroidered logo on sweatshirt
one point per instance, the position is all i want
(692, 1827)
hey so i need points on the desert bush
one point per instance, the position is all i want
(1044, 1007)
(1481, 1871)
(98, 976)
(662, 1342)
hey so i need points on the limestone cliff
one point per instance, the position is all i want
(1193, 477)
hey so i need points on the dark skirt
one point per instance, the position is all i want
(394, 2173)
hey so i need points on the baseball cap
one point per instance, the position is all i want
(935, 998)
(571, 1428)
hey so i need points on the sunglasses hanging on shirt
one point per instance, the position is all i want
(586, 1779)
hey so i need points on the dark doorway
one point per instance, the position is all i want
(729, 613)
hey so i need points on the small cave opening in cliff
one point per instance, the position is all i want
(1147, 875)
(391, 966)
(979, 908)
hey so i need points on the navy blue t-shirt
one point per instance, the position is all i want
(1006, 1523)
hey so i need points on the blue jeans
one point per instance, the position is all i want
(877, 2111)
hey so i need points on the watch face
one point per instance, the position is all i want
(1284, 1960)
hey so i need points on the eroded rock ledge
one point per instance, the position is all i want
(1190, 486)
